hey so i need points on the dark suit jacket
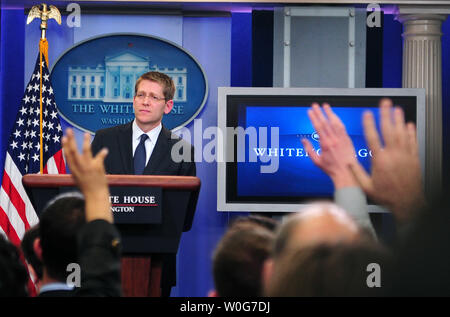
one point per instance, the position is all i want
(99, 259)
(118, 140)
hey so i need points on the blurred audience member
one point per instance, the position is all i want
(396, 179)
(239, 257)
(337, 154)
(422, 258)
(422, 266)
(33, 262)
(13, 275)
(332, 270)
(57, 246)
(317, 224)
(74, 230)
(266, 222)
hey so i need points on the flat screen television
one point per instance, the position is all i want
(265, 167)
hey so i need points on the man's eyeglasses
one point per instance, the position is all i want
(152, 97)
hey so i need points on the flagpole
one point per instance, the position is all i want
(41, 135)
(44, 15)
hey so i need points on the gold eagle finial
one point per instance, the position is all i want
(44, 15)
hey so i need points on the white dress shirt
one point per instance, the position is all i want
(149, 143)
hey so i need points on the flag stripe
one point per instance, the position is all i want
(15, 222)
(15, 198)
(51, 167)
(7, 228)
(60, 162)
(16, 179)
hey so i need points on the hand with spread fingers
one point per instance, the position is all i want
(89, 175)
(337, 151)
(395, 179)
(336, 156)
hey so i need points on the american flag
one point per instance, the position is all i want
(23, 155)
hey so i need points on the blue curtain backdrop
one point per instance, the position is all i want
(11, 72)
(222, 45)
(209, 40)
(392, 52)
(241, 49)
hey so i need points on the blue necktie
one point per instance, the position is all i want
(139, 156)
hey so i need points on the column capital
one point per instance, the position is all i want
(425, 24)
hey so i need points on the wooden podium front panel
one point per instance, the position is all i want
(141, 276)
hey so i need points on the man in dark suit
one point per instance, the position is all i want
(153, 98)
(144, 146)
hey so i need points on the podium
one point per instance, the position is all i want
(143, 244)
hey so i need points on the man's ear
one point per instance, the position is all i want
(267, 274)
(169, 106)
(213, 293)
(37, 248)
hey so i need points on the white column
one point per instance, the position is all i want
(422, 68)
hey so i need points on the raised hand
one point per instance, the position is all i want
(89, 175)
(337, 151)
(395, 179)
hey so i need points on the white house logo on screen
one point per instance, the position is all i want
(94, 80)
(315, 136)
